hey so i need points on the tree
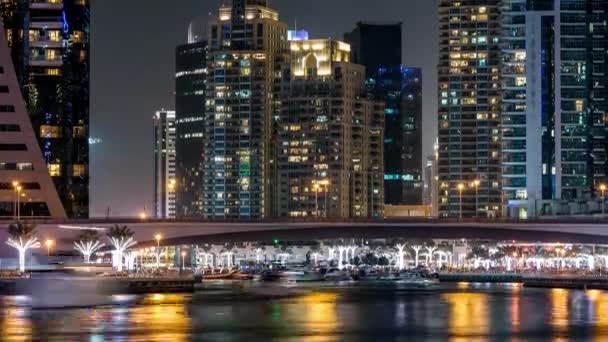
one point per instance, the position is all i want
(22, 236)
(400, 263)
(87, 244)
(121, 238)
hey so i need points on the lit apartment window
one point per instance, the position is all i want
(579, 105)
(78, 37)
(54, 35)
(52, 55)
(79, 170)
(54, 170)
(48, 131)
(79, 132)
(52, 71)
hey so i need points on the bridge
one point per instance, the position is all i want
(175, 232)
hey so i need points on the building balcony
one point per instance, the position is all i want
(45, 42)
(44, 62)
(47, 4)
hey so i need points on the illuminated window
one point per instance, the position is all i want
(54, 35)
(78, 37)
(579, 105)
(51, 54)
(53, 71)
(79, 170)
(79, 132)
(54, 170)
(47, 131)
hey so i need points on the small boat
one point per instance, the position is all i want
(241, 276)
(218, 276)
(308, 275)
(335, 274)
(415, 278)
(282, 276)
(368, 274)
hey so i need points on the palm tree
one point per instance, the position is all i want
(400, 247)
(87, 244)
(121, 238)
(22, 236)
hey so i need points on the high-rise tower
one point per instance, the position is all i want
(190, 87)
(26, 189)
(330, 136)
(377, 46)
(245, 40)
(469, 165)
(566, 131)
(49, 42)
(165, 186)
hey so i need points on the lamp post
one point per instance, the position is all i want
(325, 182)
(48, 244)
(157, 237)
(460, 188)
(17, 189)
(316, 188)
(476, 185)
(603, 191)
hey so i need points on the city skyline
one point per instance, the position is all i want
(133, 100)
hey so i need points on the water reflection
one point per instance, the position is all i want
(16, 324)
(559, 309)
(468, 315)
(455, 312)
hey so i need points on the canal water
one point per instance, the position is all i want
(324, 312)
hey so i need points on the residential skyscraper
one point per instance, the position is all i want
(330, 136)
(164, 164)
(49, 42)
(469, 165)
(513, 118)
(377, 46)
(566, 79)
(26, 189)
(245, 41)
(190, 87)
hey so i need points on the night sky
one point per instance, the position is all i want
(132, 75)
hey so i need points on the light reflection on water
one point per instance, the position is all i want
(458, 312)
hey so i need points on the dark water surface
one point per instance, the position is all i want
(324, 312)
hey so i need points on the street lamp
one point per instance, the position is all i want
(17, 189)
(325, 182)
(183, 257)
(460, 188)
(48, 244)
(316, 188)
(603, 190)
(476, 184)
(157, 237)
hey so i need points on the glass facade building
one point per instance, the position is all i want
(377, 46)
(566, 121)
(401, 90)
(49, 42)
(246, 40)
(190, 87)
